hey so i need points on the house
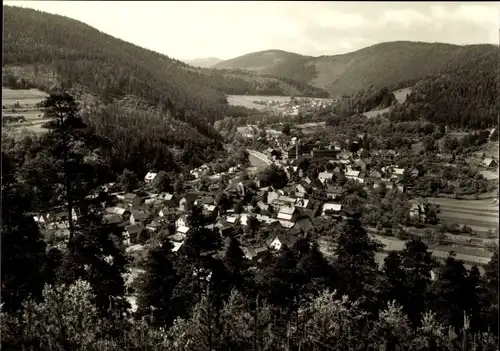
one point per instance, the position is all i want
(167, 199)
(132, 200)
(232, 219)
(360, 165)
(286, 200)
(253, 252)
(332, 192)
(418, 210)
(325, 176)
(374, 175)
(134, 231)
(303, 203)
(318, 153)
(113, 218)
(167, 213)
(187, 201)
(156, 224)
(490, 163)
(262, 206)
(118, 211)
(209, 210)
(181, 222)
(226, 230)
(138, 216)
(345, 155)
(386, 182)
(282, 240)
(300, 189)
(354, 175)
(182, 230)
(307, 180)
(331, 209)
(150, 177)
(287, 213)
(272, 196)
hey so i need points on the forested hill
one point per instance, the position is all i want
(74, 52)
(380, 65)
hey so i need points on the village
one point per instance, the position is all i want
(236, 202)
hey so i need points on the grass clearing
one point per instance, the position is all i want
(27, 99)
(248, 100)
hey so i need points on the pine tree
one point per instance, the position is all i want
(157, 285)
(418, 263)
(450, 292)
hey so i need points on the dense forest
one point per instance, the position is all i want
(466, 98)
(380, 65)
(209, 296)
(71, 53)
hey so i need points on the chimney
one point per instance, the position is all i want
(297, 149)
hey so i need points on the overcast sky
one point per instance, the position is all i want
(187, 30)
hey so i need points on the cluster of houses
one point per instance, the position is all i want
(291, 209)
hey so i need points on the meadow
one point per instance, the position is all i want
(23, 102)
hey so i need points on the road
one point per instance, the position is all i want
(258, 159)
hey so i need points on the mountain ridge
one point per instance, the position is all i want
(382, 64)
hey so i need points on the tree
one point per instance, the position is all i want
(355, 262)
(157, 285)
(128, 181)
(68, 148)
(96, 254)
(450, 292)
(286, 129)
(417, 263)
(162, 182)
(23, 249)
(65, 319)
(274, 176)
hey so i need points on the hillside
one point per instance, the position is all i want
(203, 62)
(52, 50)
(384, 64)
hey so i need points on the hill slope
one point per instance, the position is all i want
(384, 64)
(204, 62)
(71, 52)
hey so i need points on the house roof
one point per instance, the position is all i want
(183, 229)
(286, 223)
(332, 207)
(302, 202)
(113, 218)
(287, 240)
(209, 208)
(334, 189)
(231, 219)
(290, 210)
(352, 173)
(135, 228)
(325, 175)
(488, 161)
(150, 175)
(138, 215)
(116, 210)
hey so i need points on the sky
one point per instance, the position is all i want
(190, 29)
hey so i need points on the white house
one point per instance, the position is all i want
(283, 240)
(287, 213)
(181, 222)
(183, 230)
(331, 208)
(150, 176)
(324, 176)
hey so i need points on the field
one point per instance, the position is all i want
(480, 215)
(400, 96)
(248, 100)
(17, 103)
